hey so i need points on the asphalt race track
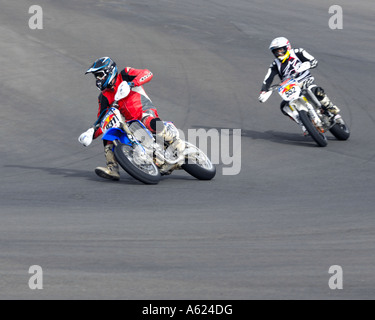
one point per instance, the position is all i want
(271, 230)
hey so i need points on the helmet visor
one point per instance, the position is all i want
(279, 52)
(100, 75)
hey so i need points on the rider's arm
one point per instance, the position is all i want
(138, 76)
(103, 108)
(272, 72)
(304, 56)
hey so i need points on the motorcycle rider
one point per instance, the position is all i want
(136, 106)
(294, 62)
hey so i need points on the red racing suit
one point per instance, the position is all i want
(134, 106)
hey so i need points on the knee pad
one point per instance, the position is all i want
(150, 119)
(156, 125)
(153, 124)
(319, 92)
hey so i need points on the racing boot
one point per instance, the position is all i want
(171, 135)
(328, 105)
(112, 170)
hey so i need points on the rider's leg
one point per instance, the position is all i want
(168, 133)
(112, 170)
(324, 100)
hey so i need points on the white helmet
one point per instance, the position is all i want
(283, 44)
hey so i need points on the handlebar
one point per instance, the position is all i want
(276, 86)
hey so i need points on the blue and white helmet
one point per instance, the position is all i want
(105, 71)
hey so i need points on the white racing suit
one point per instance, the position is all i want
(286, 69)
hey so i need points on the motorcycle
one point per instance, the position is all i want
(305, 108)
(142, 155)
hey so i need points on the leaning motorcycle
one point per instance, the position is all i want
(303, 106)
(143, 156)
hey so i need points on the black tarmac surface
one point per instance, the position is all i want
(270, 231)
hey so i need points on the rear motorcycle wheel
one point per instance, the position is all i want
(341, 131)
(148, 173)
(317, 136)
(198, 164)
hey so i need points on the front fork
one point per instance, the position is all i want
(303, 104)
(312, 97)
(292, 112)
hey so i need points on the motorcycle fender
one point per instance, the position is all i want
(292, 112)
(299, 105)
(116, 134)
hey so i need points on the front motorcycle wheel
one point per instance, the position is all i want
(144, 171)
(198, 164)
(317, 136)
